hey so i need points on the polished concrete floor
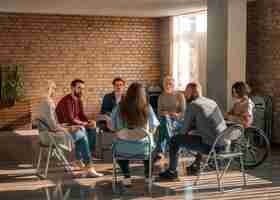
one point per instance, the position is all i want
(19, 182)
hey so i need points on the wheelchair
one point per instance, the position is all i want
(255, 147)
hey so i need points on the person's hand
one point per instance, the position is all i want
(173, 114)
(91, 124)
(163, 113)
(73, 129)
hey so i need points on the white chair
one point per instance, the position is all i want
(141, 149)
(54, 149)
(223, 157)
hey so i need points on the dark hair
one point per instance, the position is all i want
(118, 79)
(76, 81)
(241, 89)
(195, 91)
(134, 106)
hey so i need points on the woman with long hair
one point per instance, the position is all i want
(133, 112)
(242, 110)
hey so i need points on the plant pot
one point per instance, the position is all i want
(6, 104)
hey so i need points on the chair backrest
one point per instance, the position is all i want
(41, 125)
(263, 114)
(232, 133)
(46, 138)
(133, 148)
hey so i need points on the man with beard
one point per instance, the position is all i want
(70, 111)
(203, 122)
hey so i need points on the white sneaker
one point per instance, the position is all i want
(91, 173)
(126, 182)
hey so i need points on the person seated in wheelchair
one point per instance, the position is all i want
(110, 100)
(132, 115)
(242, 110)
(171, 109)
(47, 116)
(203, 122)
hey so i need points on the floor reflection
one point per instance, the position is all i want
(19, 183)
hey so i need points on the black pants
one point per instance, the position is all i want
(190, 142)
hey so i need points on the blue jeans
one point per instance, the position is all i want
(167, 129)
(91, 135)
(190, 142)
(82, 149)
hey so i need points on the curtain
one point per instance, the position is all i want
(188, 49)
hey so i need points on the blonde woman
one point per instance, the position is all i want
(171, 109)
(48, 116)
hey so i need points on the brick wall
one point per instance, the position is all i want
(17, 116)
(95, 49)
(251, 59)
(263, 61)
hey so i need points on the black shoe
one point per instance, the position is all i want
(158, 157)
(192, 171)
(169, 175)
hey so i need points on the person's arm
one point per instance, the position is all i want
(116, 121)
(161, 112)
(106, 107)
(82, 115)
(153, 121)
(51, 119)
(70, 114)
(189, 119)
(182, 106)
(244, 116)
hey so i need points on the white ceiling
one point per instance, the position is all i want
(143, 8)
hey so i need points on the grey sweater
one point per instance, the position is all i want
(46, 112)
(172, 103)
(204, 116)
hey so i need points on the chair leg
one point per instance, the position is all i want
(47, 191)
(62, 158)
(150, 174)
(218, 174)
(39, 161)
(114, 182)
(243, 171)
(48, 160)
(201, 169)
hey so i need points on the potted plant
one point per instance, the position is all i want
(11, 84)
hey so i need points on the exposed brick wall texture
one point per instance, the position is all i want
(251, 42)
(93, 48)
(263, 62)
(17, 116)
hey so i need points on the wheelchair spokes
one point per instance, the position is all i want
(255, 147)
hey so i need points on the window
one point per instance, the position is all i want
(188, 32)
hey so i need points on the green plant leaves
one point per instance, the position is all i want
(11, 83)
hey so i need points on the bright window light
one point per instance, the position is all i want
(185, 28)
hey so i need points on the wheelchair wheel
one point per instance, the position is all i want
(255, 147)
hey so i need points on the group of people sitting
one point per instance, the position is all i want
(186, 119)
